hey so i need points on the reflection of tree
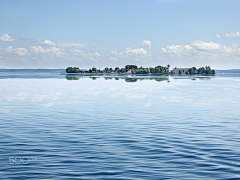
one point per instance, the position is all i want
(93, 78)
(160, 79)
(135, 79)
(203, 78)
(72, 77)
(107, 78)
(131, 79)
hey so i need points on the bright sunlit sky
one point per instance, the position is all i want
(58, 34)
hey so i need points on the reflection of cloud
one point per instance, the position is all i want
(18, 96)
(47, 105)
(5, 109)
(53, 92)
(53, 97)
(21, 96)
(148, 104)
(135, 96)
(113, 88)
(38, 97)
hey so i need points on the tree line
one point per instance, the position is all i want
(141, 70)
(133, 68)
(201, 70)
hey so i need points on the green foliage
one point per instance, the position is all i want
(142, 70)
(128, 67)
(108, 70)
(94, 70)
(201, 70)
(72, 70)
(122, 70)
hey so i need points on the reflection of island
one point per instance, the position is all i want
(72, 77)
(93, 78)
(135, 79)
(132, 79)
(125, 78)
(107, 78)
(194, 77)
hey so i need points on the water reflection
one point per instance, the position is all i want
(132, 79)
(72, 78)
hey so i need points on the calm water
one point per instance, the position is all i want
(54, 126)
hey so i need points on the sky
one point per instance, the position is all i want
(93, 33)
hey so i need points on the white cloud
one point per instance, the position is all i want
(114, 52)
(177, 49)
(84, 54)
(97, 54)
(48, 43)
(201, 51)
(136, 51)
(201, 45)
(218, 36)
(145, 43)
(129, 54)
(188, 47)
(237, 34)
(53, 50)
(39, 49)
(9, 49)
(6, 37)
(113, 59)
(18, 51)
(164, 50)
(21, 51)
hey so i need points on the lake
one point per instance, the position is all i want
(57, 126)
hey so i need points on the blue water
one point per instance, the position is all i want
(54, 126)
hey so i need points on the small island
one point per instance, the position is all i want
(133, 69)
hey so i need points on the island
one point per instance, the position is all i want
(133, 69)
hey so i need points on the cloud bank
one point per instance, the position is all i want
(49, 54)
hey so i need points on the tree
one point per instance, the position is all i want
(72, 70)
(127, 67)
(108, 70)
(94, 70)
(152, 70)
(180, 72)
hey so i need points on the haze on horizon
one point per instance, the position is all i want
(58, 34)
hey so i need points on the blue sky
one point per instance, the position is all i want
(57, 34)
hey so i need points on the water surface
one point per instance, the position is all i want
(117, 127)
